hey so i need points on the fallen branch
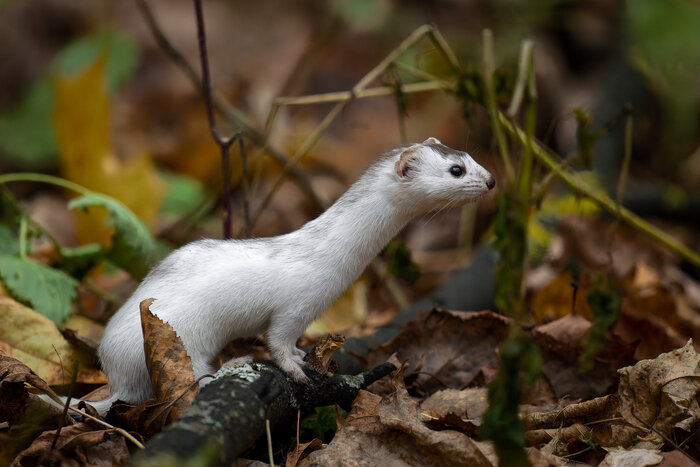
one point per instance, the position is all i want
(574, 413)
(230, 413)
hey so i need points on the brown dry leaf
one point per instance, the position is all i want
(554, 300)
(35, 341)
(172, 378)
(301, 451)
(13, 395)
(469, 403)
(348, 311)
(79, 444)
(663, 392)
(168, 364)
(561, 343)
(81, 121)
(389, 431)
(446, 348)
(633, 457)
(320, 357)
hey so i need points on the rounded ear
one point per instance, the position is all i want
(432, 140)
(406, 163)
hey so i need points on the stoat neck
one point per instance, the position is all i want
(352, 232)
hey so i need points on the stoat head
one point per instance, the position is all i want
(440, 175)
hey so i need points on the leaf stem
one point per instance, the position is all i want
(43, 178)
(23, 236)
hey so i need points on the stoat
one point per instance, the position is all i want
(213, 291)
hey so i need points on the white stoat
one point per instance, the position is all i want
(212, 291)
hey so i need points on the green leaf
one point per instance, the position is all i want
(133, 248)
(48, 291)
(26, 135)
(183, 194)
(120, 51)
(79, 260)
(604, 301)
(8, 242)
(322, 421)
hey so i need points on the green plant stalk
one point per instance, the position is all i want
(23, 236)
(42, 178)
(604, 201)
(489, 66)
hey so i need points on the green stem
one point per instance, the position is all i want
(489, 67)
(23, 236)
(43, 178)
(604, 201)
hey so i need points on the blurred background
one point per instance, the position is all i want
(89, 94)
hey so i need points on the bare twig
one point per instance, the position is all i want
(246, 187)
(223, 142)
(234, 115)
(313, 138)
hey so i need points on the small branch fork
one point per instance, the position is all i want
(223, 142)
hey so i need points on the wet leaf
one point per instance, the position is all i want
(35, 341)
(48, 291)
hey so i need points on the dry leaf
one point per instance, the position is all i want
(445, 348)
(172, 378)
(633, 457)
(36, 342)
(663, 392)
(389, 431)
(81, 443)
(302, 450)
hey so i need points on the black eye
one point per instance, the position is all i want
(456, 171)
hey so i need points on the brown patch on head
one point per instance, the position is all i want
(406, 162)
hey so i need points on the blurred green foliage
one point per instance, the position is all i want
(27, 139)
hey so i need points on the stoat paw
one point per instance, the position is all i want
(293, 368)
(299, 353)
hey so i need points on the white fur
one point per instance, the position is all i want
(212, 291)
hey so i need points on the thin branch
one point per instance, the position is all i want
(223, 142)
(246, 187)
(234, 115)
(371, 92)
(313, 138)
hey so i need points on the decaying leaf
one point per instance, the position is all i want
(320, 356)
(13, 375)
(83, 442)
(389, 430)
(663, 392)
(301, 450)
(35, 341)
(561, 344)
(172, 378)
(446, 348)
(48, 291)
(633, 457)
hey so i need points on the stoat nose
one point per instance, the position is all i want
(491, 182)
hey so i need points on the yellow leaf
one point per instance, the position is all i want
(35, 341)
(348, 311)
(81, 121)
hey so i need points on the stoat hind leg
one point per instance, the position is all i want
(282, 336)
